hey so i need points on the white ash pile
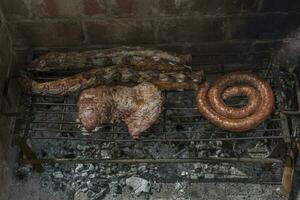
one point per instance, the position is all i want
(99, 181)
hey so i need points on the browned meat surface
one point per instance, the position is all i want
(139, 107)
(260, 101)
(139, 58)
(119, 75)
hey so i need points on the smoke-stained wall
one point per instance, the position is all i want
(242, 29)
(6, 56)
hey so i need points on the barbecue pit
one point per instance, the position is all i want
(182, 150)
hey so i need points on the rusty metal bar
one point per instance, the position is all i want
(285, 128)
(179, 132)
(157, 123)
(161, 161)
(289, 169)
(158, 140)
(21, 142)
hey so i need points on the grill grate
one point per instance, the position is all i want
(49, 121)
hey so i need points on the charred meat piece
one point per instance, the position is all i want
(139, 106)
(116, 75)
(260, 101)
(140, 58)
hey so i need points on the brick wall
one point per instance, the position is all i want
(201, 27)
(6, 55)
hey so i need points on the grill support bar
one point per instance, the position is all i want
(158, 161)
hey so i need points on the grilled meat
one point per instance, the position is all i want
(139, 106)
(260, 101)
(117, 75)
(139, 58)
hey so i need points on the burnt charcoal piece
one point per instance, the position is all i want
(138, 57)
(139, 107)
(260, 101)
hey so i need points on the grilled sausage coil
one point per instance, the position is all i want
(210, 101)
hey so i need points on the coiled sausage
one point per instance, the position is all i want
(260, 101)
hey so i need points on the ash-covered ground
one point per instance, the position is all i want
(143, 181)
(55, 186)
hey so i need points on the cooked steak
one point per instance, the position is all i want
(139, 107)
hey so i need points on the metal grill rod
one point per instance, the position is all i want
(180, 132)
(162, 161)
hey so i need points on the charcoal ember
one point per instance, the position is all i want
(91, 167)
(58, 175)
(105, 153)
(251, 148)
(79, 168)
(77, 177)
(102, 182)
(84, 174)
(122, 182)
(194, 176)
(133, 152)
(138, 185)
(95, 187)
(115, 188)
(99, 195)
(159, 150)
(84, 188)
(155, 186)
(203, 154)
(180, 190)
(260, 150)
(184, 173)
